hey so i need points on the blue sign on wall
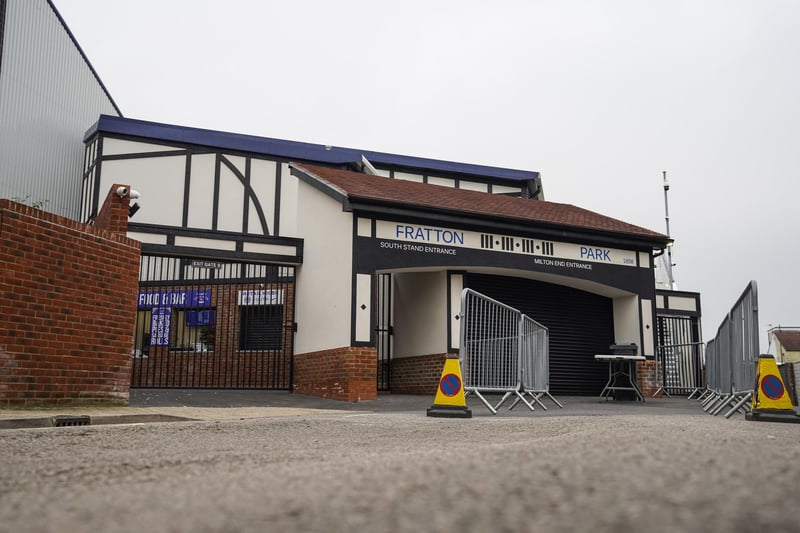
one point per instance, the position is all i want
(151, 299)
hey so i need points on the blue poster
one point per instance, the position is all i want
(159, 326)
(181, 298)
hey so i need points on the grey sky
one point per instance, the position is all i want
(600, 97)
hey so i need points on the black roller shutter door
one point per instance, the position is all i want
(581, 324)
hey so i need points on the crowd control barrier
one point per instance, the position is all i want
(731, 358)
(502, 351)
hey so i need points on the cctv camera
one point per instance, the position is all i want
(122, 191)
(134, 194)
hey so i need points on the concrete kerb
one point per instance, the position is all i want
(164, 405)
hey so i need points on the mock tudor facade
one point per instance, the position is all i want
(338, 272)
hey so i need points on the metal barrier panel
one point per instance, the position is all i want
(535, 356)
(489, 349)
(747, 370)
(503, 351)
(725, 360)
(732, 355)
(712, 366)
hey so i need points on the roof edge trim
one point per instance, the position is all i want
(318, 183)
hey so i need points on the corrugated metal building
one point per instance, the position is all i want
(49, 96)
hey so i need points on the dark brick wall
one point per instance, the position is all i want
(67, 305)
(417, 375)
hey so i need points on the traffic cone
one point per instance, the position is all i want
(450, 401)
(770, 401)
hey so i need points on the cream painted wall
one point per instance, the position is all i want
(231, 195)
(159, 180)
(473, 186)
(444, 182)
(262, 181)
(648, 346)
(500, 189)
(363, 307)
(682, 303)
(420, 313)
(113, 146)
(201, 191)
(324, 282)
(289, 204)
(456, 288)
(626, 320)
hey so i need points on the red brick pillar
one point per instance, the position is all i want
(648, 377)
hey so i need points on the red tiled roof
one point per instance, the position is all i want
(790, 340)
(357, 186)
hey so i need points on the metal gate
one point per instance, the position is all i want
(680, 354)
(383, 332)
(213, 324)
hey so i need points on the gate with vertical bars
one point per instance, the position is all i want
(213, 324)
(384, 332)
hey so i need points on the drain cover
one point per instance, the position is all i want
(66, 420)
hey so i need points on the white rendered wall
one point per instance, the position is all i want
(201, 192)
(289, 203)
(626, 320)
(456, 288)
(323, 298)
(420, 313)
(473, 186)
(648, 342)
(682, 303)
(262, 181)
(159, 180)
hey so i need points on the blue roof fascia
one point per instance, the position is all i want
(290, 149)
(449, 166)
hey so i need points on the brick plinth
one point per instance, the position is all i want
(67, 305)
(648, 377)
(417, 375)
(348, 374)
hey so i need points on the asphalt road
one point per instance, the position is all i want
(401, 471)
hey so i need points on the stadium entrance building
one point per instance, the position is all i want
(338, 272)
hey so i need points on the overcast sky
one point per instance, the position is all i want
(600, 97)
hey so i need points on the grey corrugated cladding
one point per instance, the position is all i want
(49, 96)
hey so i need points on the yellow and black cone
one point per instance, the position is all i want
(770, 403)
(450, 401)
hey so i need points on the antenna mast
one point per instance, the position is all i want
(669, 262)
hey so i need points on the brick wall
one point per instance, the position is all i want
(648, 377)
(67, 305)
(347, 374)
(417, 375)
